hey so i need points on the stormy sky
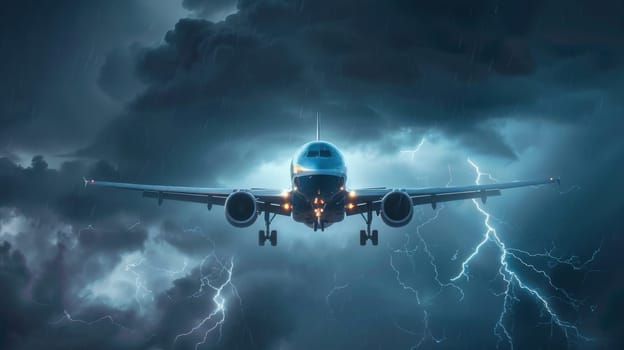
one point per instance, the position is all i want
(222, 93)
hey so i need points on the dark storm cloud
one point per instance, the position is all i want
(37, 188)
(274, 64)
(52, 53)
(117, 76)
(34, 299)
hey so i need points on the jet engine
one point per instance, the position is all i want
(396, 209)
(241, 209)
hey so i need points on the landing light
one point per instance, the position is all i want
(350, 206)
(285, 193)
(286, 206)
(352, 194)
(298, 168)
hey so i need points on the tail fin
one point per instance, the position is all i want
(318, 127)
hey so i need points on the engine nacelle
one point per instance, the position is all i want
(241, 209)
(396, 209)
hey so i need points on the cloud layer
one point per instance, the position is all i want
(227, 93)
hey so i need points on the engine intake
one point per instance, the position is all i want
(396, 209)
(241, 209)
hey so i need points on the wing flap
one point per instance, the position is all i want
(447, 197)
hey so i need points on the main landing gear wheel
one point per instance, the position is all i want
(268, 234)
(363, 237)
(261, 237)
(368, 234)
(375, 237)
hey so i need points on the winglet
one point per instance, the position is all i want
(85, 181)
(318, 128)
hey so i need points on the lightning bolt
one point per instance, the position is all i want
(415, 150)
(79, 234)
(67, 316)
(140, 288)
(512, 279)
(332, 291)
(425, 335)
(410, 253)
(211, 281)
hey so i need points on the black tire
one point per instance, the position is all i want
(375, 237)
(261, 237)
(273, 238)
(363, 237)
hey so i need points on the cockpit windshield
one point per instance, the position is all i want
(319, 151)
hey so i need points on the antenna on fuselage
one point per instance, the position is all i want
(318, 128)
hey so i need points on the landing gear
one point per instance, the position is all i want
(368, 234)
(375, 237)
(268, 234)
(318, 224)
(261, 237)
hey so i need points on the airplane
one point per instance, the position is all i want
(319, 196)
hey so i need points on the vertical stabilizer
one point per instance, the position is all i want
(318, 127)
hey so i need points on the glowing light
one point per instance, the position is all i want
(285, 193)
(350, 206)
(286, 206)
(352, 194)
(298, 168)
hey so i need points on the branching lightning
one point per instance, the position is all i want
(336, 288)
(213, 280)
(512, 279)
(415, 150)
(68, 317)
(424, 335)
(410, 252)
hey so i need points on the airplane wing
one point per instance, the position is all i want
(361, 199)
(267, 199)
